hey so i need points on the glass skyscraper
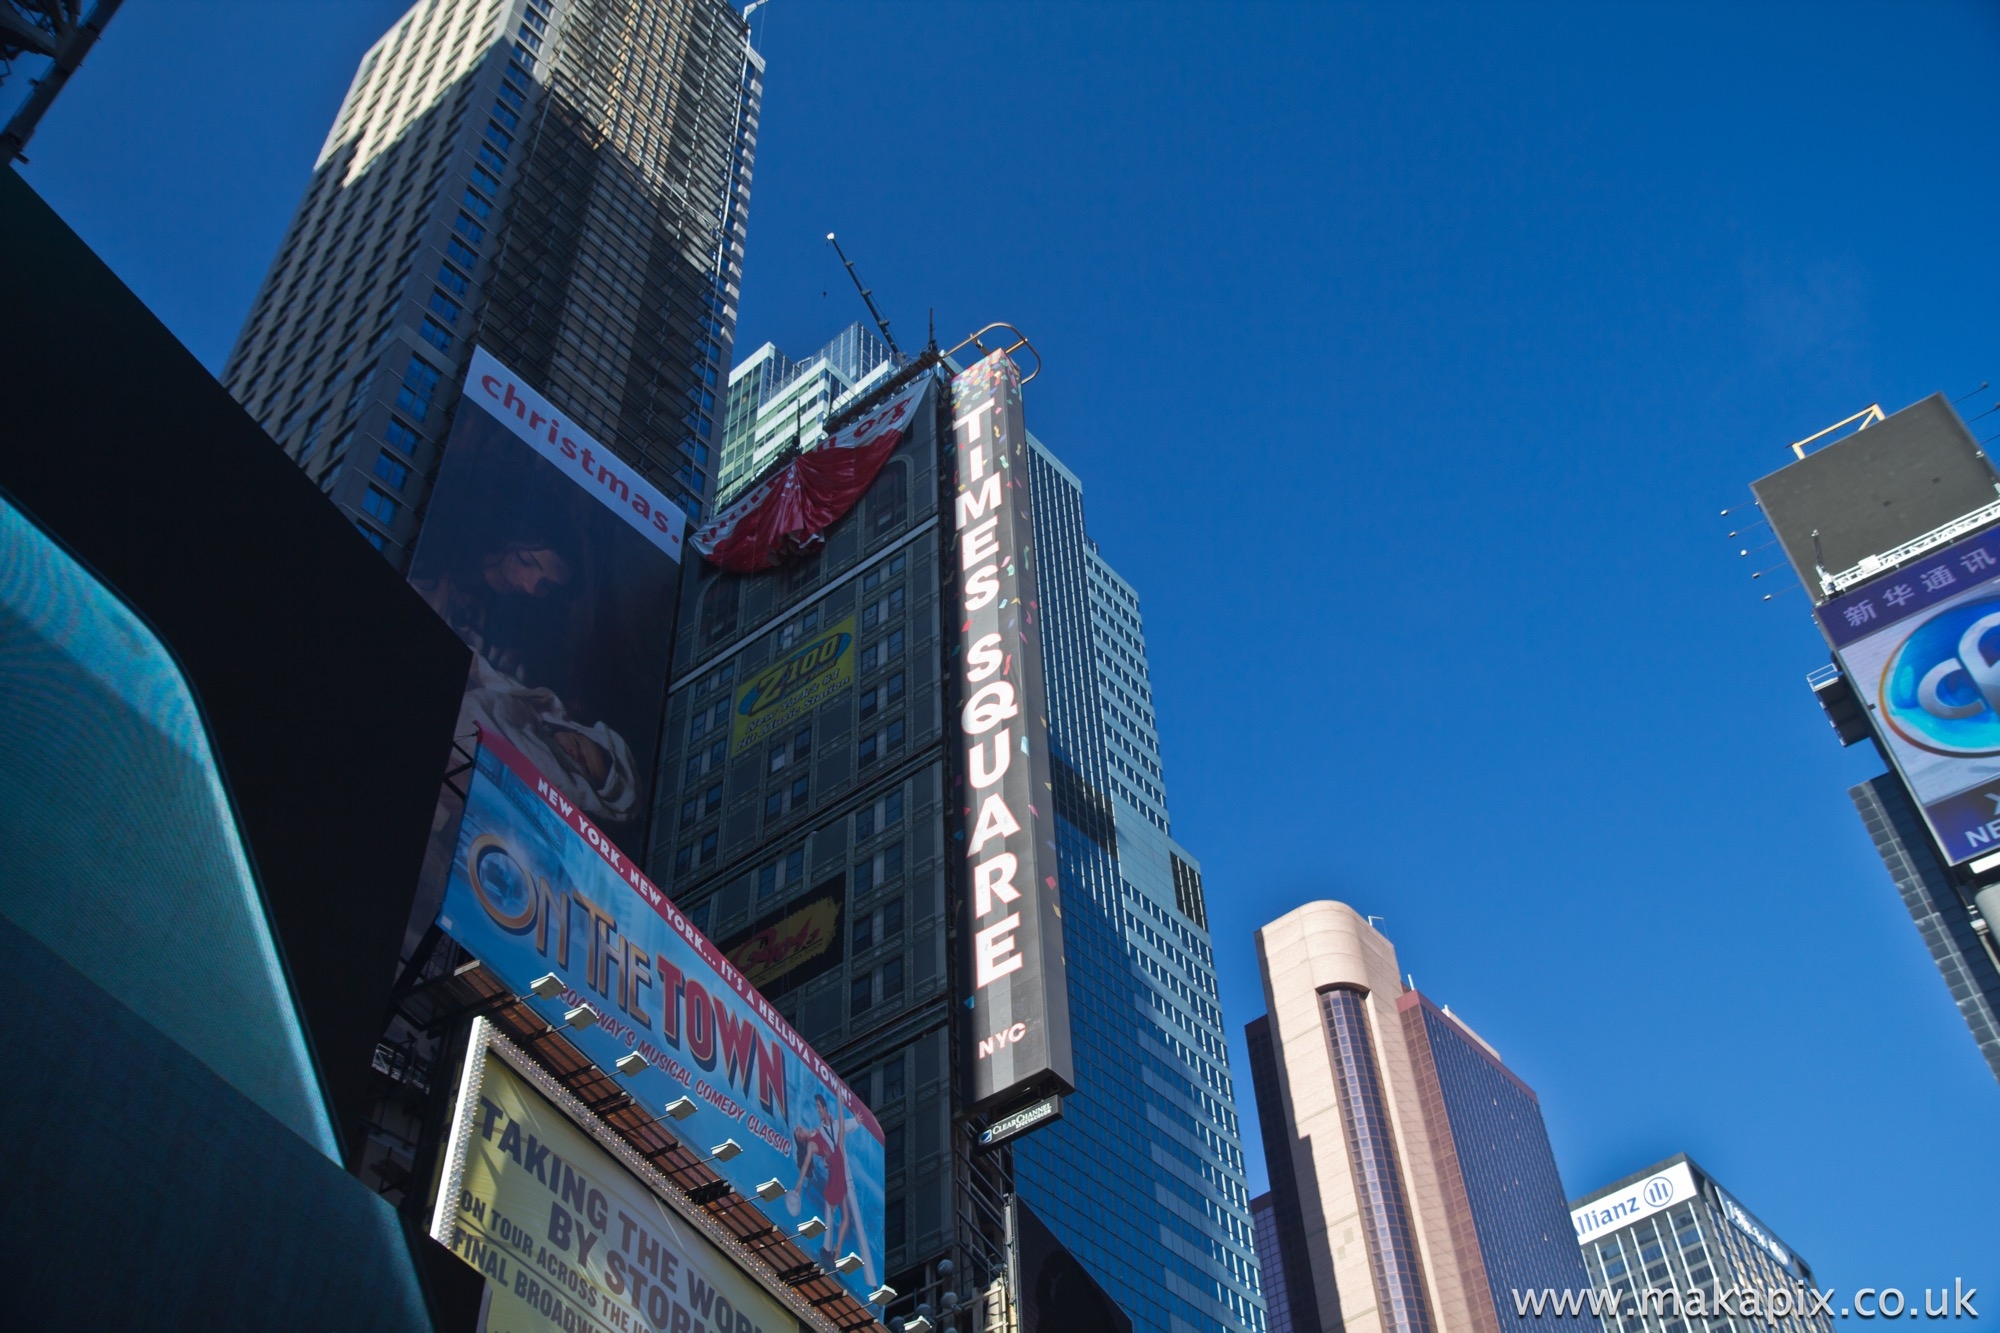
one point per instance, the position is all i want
(564, 182)
(775, 402)
(1161, 1216)
(1951, 927)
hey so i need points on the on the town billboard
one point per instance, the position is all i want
(559, 565)
(536, 887)
(1017, 1003)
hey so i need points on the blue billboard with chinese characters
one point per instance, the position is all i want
(1921, 647)
(536, 888)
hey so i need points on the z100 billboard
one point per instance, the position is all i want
(1921, 648)
(537, 888)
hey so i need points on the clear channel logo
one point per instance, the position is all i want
(1941, 688)
(1658, 1192)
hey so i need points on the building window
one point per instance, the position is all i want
(378, 505)
(861, 994)
(886, 695)
(451, 279)
(444, 306)
(881, 815)
(420, 382)
(469, 229)
(389, 470)
(893, 1139)
(375, 539)
(461, 254)
(478, 206)
(895, 1231)
(885, 500)
(718, 611)
(436, 335)
(402, 437)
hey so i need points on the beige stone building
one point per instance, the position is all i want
(1413, 1186)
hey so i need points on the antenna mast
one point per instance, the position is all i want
(867, 296)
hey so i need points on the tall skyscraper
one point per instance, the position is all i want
(564, 182)
(1958, 940)
(1894, 532)
(1427, 1190)
(776, 403)
(808, 818)
(1672, 1231)
(1155, 1106)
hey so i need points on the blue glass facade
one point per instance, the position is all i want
(1508, 1171)
(1162, 1217)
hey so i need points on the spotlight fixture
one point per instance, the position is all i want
(681, 1108)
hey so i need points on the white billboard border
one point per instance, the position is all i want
(486, 1037)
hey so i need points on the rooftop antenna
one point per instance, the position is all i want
(867, 295)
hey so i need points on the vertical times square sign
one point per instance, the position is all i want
(1010, 926)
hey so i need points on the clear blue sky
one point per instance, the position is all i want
(1408, 355)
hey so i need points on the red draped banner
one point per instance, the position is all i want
(788, 513)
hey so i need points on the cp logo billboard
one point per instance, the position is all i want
(1941, 688)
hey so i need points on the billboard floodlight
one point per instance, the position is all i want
(882, 1294)
(547, 986)
(725, 1150)
(681, 1108)
(771, 1189)
(631, 1064)
(812, 1226)
(848, 1262)
(583, 1016)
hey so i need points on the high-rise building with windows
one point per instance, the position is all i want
(564, 182)
(1664, 1244)
(839, 821)
(776, 404)
(1162, 1218)
(1426, 1190)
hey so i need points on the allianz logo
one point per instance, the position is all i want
(1643, 1200)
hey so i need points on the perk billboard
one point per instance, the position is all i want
(559, 565)
(569, 1238)
(538, 888)
(1017, 1001)
(1921, 648)
(802, 942)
